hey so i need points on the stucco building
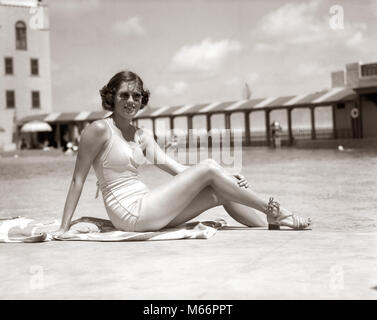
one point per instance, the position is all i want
(25, 74)
(358, 116)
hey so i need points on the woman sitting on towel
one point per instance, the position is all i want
(116, 148)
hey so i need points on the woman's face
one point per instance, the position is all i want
(127, 100)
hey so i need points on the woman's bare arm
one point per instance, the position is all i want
(168, 164)
(91, 142)
(157, 156)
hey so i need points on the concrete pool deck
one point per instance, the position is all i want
(337, 259)
(237, 263)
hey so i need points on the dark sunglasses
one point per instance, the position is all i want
(126, 95)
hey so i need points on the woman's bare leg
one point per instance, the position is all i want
(245, 215)
(164, 204)
(207, 199)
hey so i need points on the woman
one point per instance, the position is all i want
(115, 148)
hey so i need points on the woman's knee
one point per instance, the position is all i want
(207, 170)
(210, 162)
(211, 166)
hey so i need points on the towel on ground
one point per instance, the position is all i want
(21, 229)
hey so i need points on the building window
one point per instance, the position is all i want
(21, 35)
(369, 69)
(35, 99)
(341, 106)
(8, 65)
(34, 66)
(11, 99)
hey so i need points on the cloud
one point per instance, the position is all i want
(310, 69)
(132, 26)
(268, 47)
(205, 56)
(252, 77)
(296, 22)
(234, 81)
(301, 24)
(176, 89)
(355, 40)
(75, 6)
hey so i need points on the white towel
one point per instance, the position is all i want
(20, 229)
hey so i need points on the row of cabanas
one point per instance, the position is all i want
(330, 97)
(325, 97)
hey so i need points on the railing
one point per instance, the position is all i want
(259, 137)
(344, 133)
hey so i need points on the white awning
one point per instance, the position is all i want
(36, 126)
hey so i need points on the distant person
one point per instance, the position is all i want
(68, 149)
(23, 144)
(116, 149)
(173, 144)
(46, 145)
(276, 131)
(65, 141)
(76, 144)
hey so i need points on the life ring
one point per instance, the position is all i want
(355, 113)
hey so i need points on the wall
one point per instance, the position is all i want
(22, 82)
(337, 79)
(369, 114)
(343, 120)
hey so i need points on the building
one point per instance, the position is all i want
(360, 114)
(25, 73)
(350, 106)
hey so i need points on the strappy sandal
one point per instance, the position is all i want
(275, 217)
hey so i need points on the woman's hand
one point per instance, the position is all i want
(158, 157)
(242, 182)
(58, 233)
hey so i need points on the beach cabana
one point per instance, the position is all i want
(65, 124)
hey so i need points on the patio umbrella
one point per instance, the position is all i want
(36, 126)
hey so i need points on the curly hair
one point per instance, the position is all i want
(108, 91)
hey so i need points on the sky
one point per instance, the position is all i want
(190, 51)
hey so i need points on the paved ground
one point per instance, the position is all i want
(337, 259)
(235, 264)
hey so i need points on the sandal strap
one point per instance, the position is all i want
(298, 221)
(278, 216)
(273, 205)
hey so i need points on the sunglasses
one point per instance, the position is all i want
(126, 96)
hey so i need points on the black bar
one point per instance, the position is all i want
(268, 136)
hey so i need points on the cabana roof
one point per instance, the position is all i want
(64, 117)
(326, 97)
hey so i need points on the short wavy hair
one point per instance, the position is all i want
(110, 89)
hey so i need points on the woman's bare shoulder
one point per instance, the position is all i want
(97, 130)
